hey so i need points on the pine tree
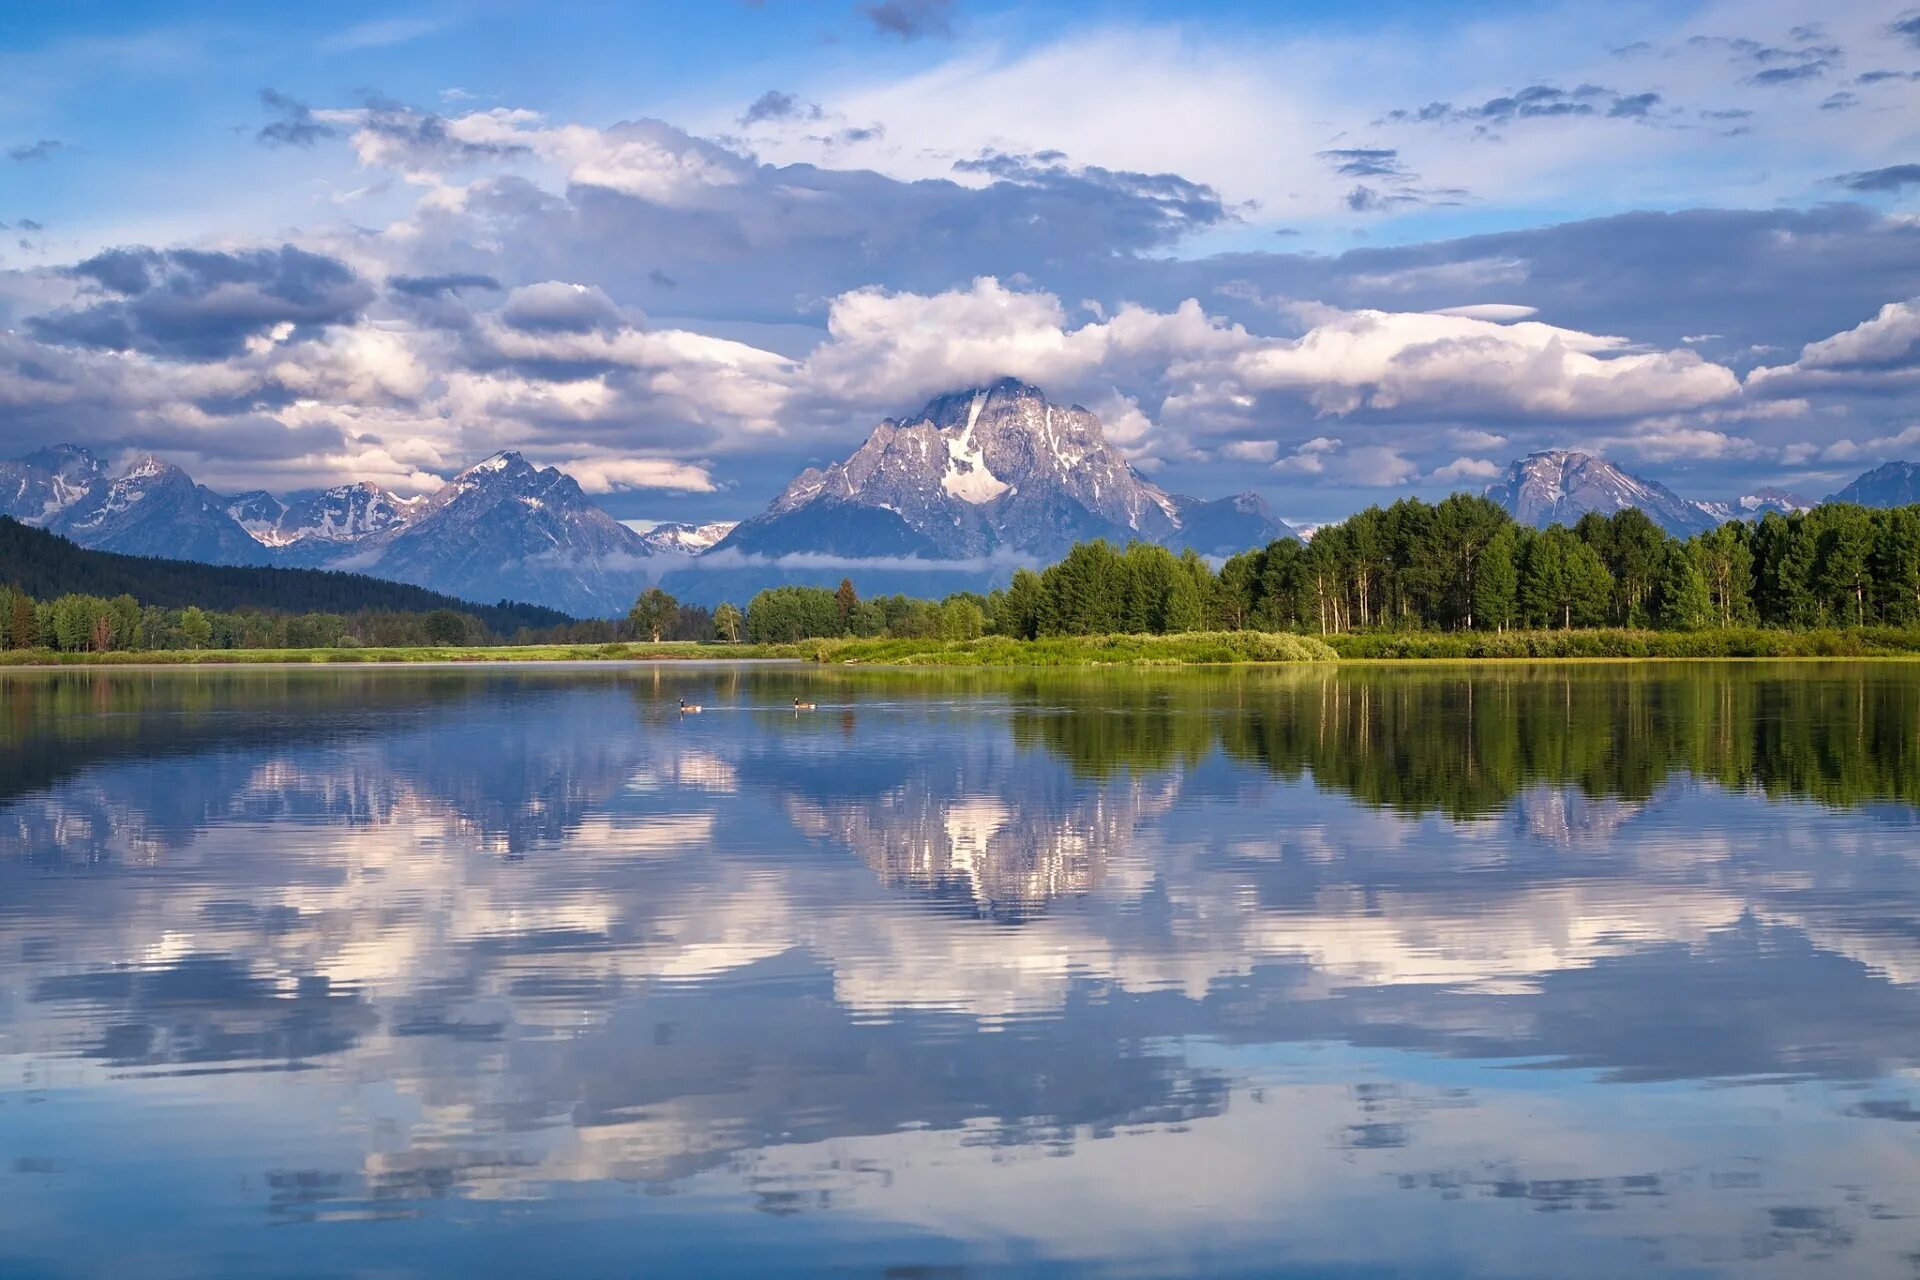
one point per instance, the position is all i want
(1017, 612)
(1496, 583)
(1684, 601)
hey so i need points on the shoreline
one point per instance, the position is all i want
(1217, 650)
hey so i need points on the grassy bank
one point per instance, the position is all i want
(1191, 649)
(639, 652)
(1732, 642)
(1201, 648)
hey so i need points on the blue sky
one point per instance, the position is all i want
(683, 251)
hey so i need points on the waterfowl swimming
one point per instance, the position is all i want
(688, 708)
(803, 706)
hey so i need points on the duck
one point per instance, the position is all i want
(804, 706)
(689, 708)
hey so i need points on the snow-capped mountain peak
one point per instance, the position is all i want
(683, 539)
(987, 470)
(1558, 486)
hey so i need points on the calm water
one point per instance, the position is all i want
(1588, 971)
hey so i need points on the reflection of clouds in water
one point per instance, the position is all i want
(752, 959)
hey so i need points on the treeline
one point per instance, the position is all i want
(1466, 565)
(45, 566)
(76, 623)
(1461, 565)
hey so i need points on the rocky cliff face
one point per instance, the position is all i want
(1559, 486)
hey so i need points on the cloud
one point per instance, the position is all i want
(201, 303)
(554, 306)
(1364, 162)
(442, 285)
(1499, 312)
(1882, 353)
(1894, 445)
(1895, 177)
(296, 125)
(605, 475)
(378, 34)
(390, 134)
(1466, 469)
(40, 150)
(1330, 458)
(1536, 102)
(911, 19)
(1907, 27)
(1001, 560)
(1396, 362)
(1473, 438)
(1795, 74)
(777, 105)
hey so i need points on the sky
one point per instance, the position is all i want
(1331, 253)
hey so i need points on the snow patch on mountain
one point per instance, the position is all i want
(967, 476)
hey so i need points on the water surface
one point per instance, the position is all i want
(1585, 970)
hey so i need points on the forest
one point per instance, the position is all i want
(1373, 585)
(1462, 565)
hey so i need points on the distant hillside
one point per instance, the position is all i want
(45, 565)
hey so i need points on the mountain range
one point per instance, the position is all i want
(952, 497)
(1558, 486)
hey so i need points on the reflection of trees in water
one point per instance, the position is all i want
(535, 1013)
(1465, 741)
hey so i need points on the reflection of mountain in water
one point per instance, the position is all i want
(1003, 855)
(1563, 817)
(711, 950)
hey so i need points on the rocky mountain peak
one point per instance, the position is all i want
(1892, 484)
(1558, 486)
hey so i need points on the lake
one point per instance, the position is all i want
(1582, 970)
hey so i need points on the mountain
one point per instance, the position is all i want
(1228, 526)
(153, 508)
(1896, 484)
(977, 481)
(41, 485)
(45, 565)
(1558, 487)
(504, 527)
(1753, 505)
(679, 539)
(316, 528)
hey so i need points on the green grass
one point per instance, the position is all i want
(1200, 648)
(1192, 649)
(1732, 642)
(622, 652)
